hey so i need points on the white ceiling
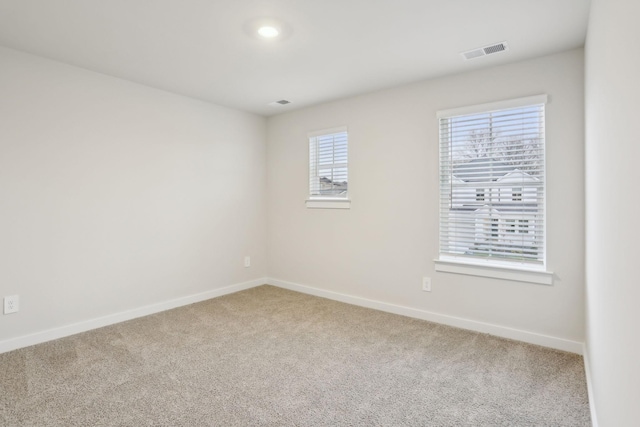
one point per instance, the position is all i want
(336, 48)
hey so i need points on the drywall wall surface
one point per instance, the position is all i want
(382, 247)
(115, 196)
(612, 233)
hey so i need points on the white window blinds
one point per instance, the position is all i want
(492, 182)
(328, 166)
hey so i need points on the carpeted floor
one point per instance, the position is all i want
(271, 357)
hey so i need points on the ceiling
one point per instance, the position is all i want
(334, 48)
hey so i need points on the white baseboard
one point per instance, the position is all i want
(501, 331)
(587, 371)
(488, 328)
(86, 325)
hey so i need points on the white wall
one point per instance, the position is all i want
(383, 245)
(114, 195)
(612, 154)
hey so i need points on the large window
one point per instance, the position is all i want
(328, 168)
(492, 184)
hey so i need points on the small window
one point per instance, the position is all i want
(329, 169)
(517, 194)
(494, 227)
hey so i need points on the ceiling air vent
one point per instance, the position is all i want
(484, 51)
(280, 103)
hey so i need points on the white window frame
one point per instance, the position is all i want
(495, 268)
(317, 201)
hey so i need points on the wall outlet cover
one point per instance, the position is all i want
(11, 304)
(426, 284)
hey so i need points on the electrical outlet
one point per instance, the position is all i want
(11, 304)
(247, 261)
(426, 284)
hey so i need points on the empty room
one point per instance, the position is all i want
(319, 213)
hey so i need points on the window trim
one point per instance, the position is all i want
(508, 270)
(493, 106)
(327, 202)
(523, 273)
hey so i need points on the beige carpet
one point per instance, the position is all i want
(271, 357)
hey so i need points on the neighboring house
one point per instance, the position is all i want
(330, 188)
(499, 201)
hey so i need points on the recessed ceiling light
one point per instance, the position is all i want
(268, 32)
(267, 29)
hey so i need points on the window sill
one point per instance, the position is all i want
(524, 274)
(328, 204)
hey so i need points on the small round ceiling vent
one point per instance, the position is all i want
(280, 103)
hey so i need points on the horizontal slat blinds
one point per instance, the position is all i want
(328, 166)
(492, 184)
